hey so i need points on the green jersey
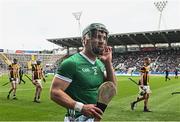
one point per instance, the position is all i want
(85, 77)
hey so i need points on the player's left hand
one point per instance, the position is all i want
(107, 55)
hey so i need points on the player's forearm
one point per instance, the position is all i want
(18, 74)
(33, 76)
(61, 98)
(110, 73)
(43, 76)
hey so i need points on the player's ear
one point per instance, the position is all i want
(85, 39)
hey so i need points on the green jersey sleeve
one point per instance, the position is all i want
(66, 70)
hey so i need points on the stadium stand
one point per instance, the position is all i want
(48, 60)
(139, 38)
(131, 57)
(124, 60)
(161, 59)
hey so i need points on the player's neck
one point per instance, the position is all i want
(89, 55)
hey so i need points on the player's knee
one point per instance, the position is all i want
(147, 96)
(37, 85)
(40, 87)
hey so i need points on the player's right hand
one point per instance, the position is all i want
(90, 110)
(44, 80)
(34, 82)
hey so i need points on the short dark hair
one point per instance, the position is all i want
(146, 58)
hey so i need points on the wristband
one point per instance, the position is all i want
(101, 106)
(78, 106)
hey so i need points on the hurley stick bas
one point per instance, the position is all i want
(105, 93)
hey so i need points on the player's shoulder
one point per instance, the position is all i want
(99, 62)
(70, 60)
(33, 66)
(18, 65)
(143, 69)
(40, 66)
(14, 65)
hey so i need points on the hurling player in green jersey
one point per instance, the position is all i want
(75, 86)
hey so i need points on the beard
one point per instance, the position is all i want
(97, 51)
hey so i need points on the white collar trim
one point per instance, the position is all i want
(91, 61)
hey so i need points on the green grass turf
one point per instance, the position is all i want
(165, 107)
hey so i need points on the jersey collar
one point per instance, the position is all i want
(91, 61)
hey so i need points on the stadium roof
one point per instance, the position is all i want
(149, 37)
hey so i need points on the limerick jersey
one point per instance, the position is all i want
(84, 76)
(145, 71)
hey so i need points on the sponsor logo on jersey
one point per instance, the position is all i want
(85, 69)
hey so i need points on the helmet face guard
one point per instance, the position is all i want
(92, 30)
(94, 27)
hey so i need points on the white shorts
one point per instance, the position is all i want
(38, 81)
(145, 89)
(15, 81)
(81, 118)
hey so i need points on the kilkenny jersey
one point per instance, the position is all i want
(37, 70)
(84, 77)
(14, 70)
(145, 71)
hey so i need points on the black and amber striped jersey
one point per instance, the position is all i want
(14, 70)
(145, 72)
(37, 71)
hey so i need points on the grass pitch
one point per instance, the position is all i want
(165, 107)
